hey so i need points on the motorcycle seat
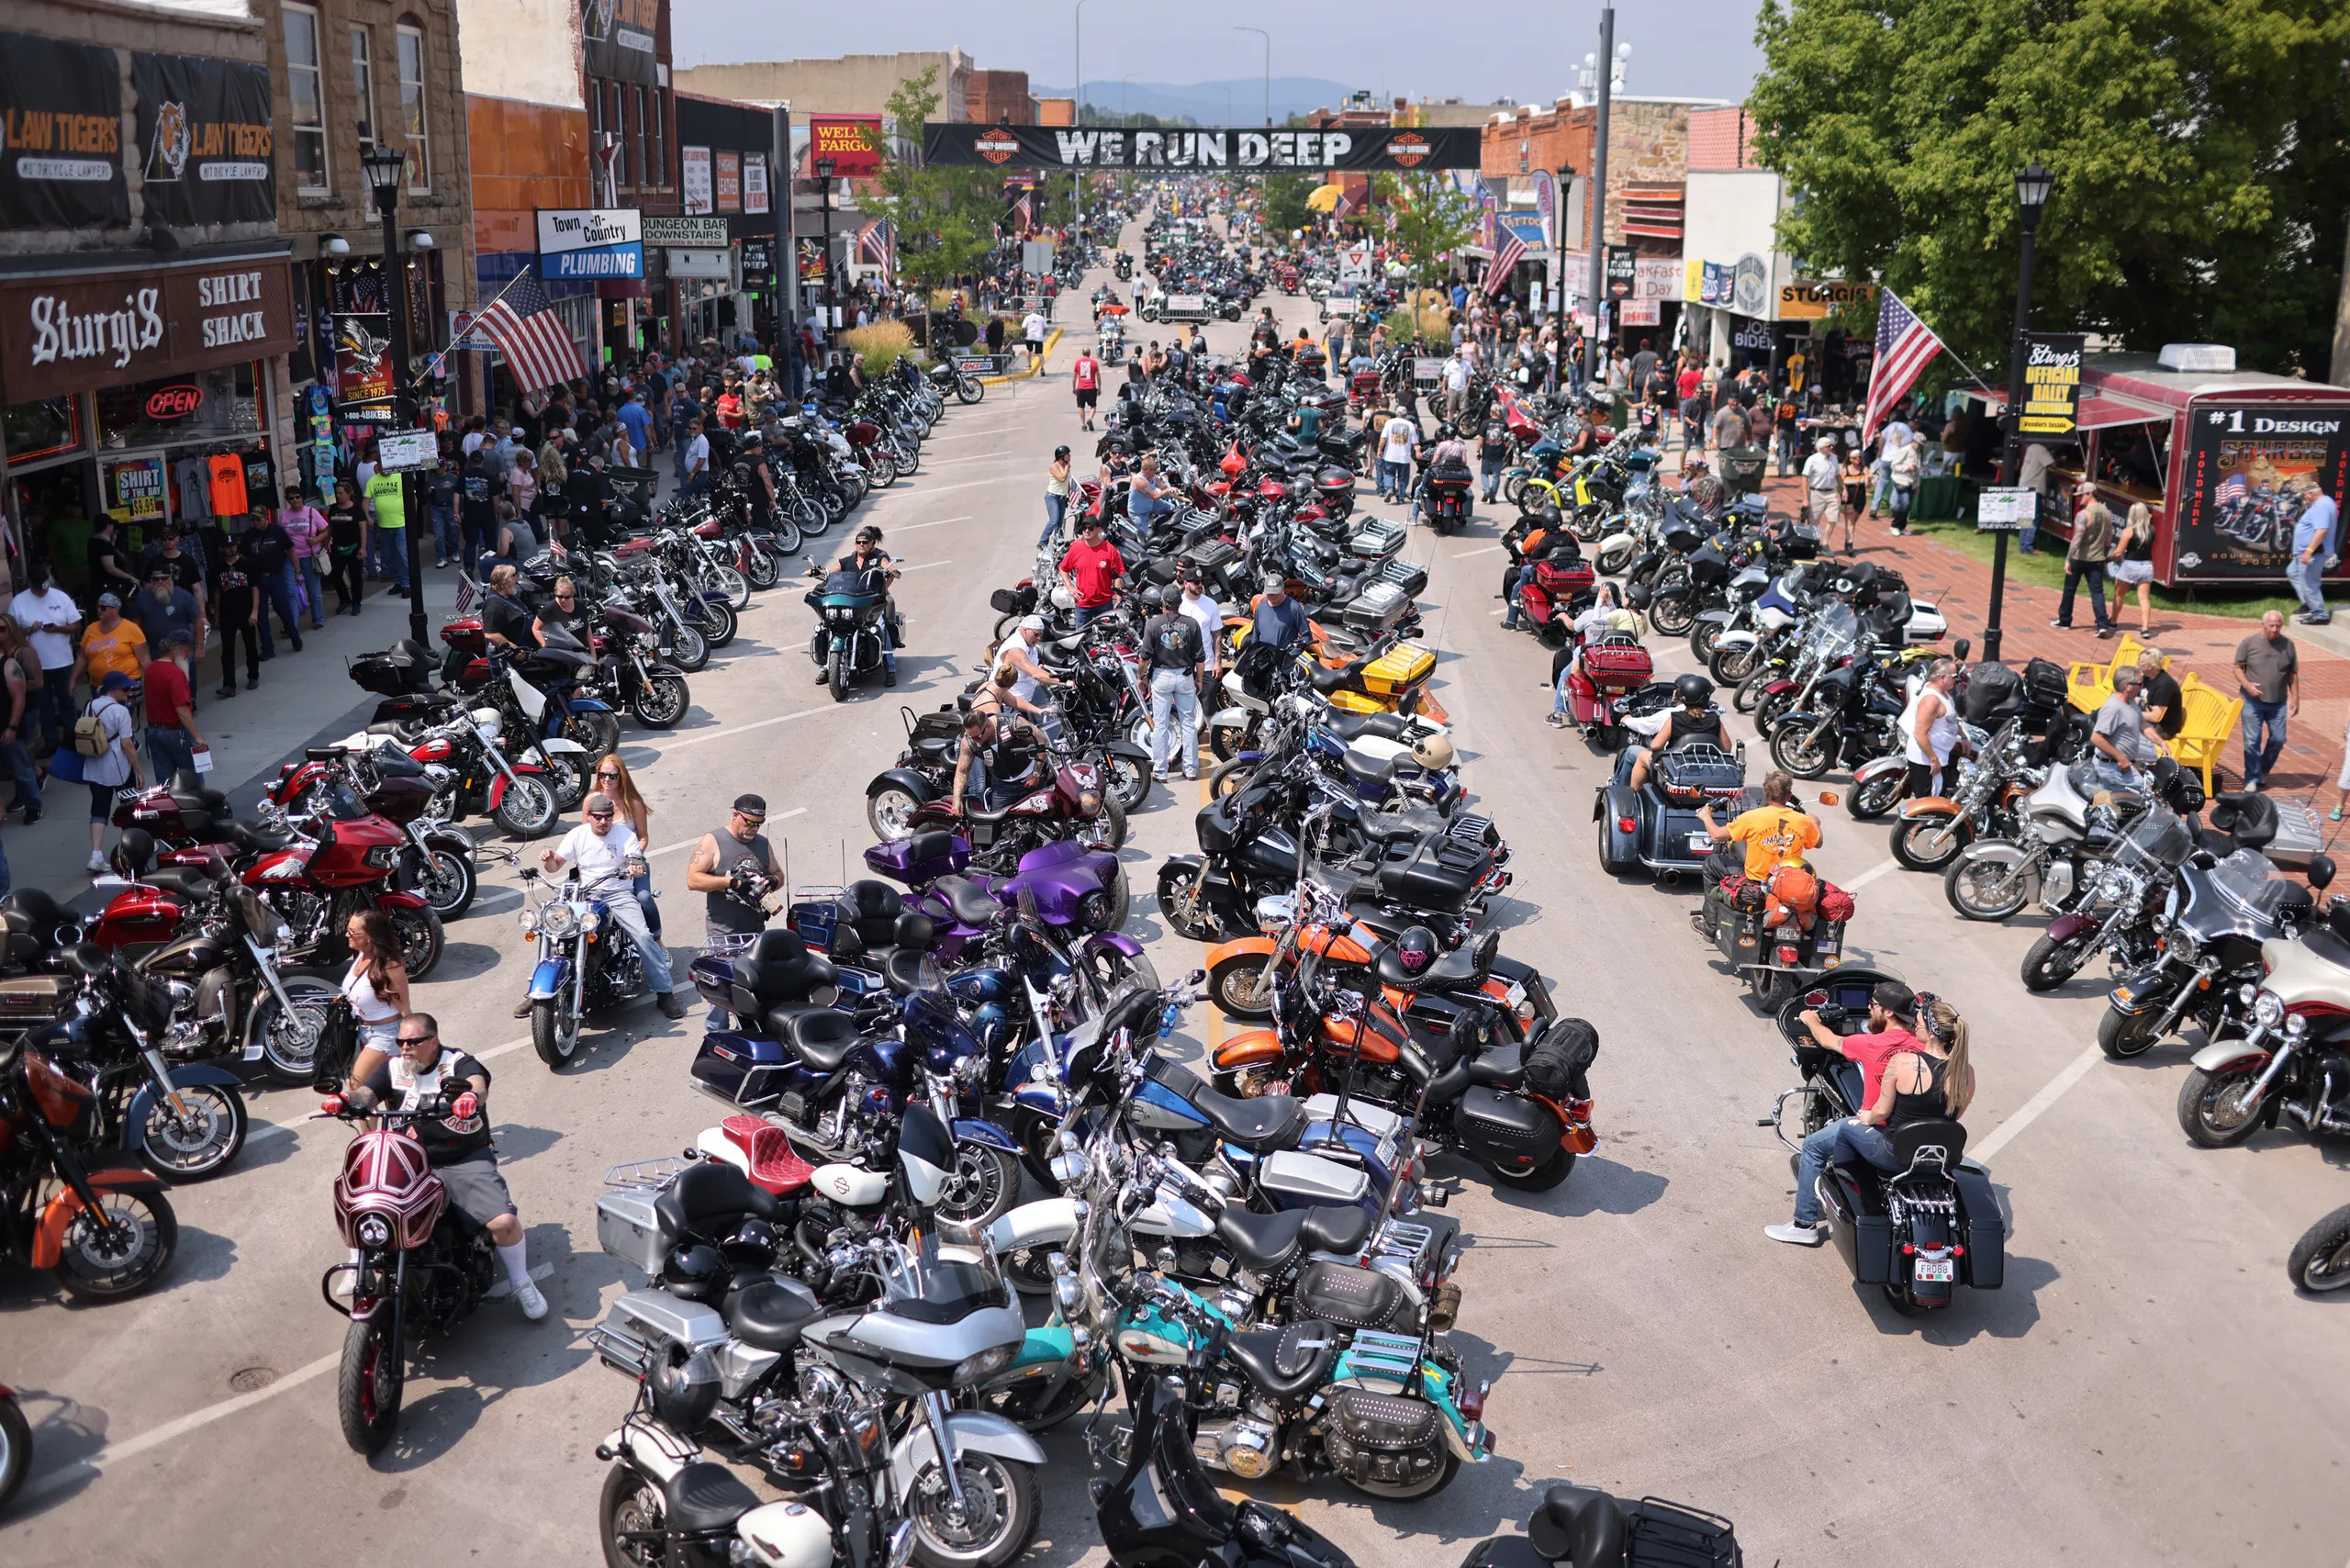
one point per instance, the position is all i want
(774, 1165)
(1365, 769)
(703, 1497)
(1271, 1120)
(1288, 1361)
(779, 968)
(1326, 681)
(32, 911)
(972, 905)
(1264, 1243)
(189, 793)
(184, 881)
(1577, 1524)
(821, 1036)
(1503, 1067)
(1350, 726)
(711, 1189)
(770, 1314)
(260, 841)
(901, 970)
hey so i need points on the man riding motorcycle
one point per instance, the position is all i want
(1692, 723)
(874, 567)
(1776, 833)
(457, 1147)
(610, 858)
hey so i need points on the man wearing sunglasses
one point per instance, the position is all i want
(608, 856)
(710, 872)
(456, 1146)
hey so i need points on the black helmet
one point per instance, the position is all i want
(1638, 596)
(1416, 949)
(695, 1273)
(1693, 691)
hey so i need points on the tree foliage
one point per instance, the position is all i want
(1429, 219)
(943, 218)
(1284, 206)
(2202, 167)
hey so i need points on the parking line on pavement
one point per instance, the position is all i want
(924, 567)
(1473, 555)
(2028, 1112)
(965, 485)
(739, 729)
(934, 522)
(1872, 874)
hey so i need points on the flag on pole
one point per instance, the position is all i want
(1905, 346)
(1022, 213)
(879, 245)
(1505, 259)
(528, 330)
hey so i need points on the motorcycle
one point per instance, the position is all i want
(586, 963)
(1992, 785)
(1447, 498)
(423, 1265)
(2213, 924)
(16, 1445)
(852, 623)
(517, 795)
(344, 784)
(2294, 1059)
(2131, 889)
(653, 692)
(2067, 826)
(2320, 1262)
(104, 1229)
(1071, 804)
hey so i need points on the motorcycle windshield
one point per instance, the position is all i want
(2157, 843)
(1837, 627)
(2239, 878)
(935, 1026)
(846, 584)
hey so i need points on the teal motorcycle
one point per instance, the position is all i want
(852, 625)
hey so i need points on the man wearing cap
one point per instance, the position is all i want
(610, 858)
(1201, 608)
(711, 873)
(1092, 570)
(1821, 480)
(118, 763)
(1281, 621)
(1892, 1012)
(1172, 643)
(173, 739)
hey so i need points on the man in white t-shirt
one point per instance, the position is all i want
(1396, 441)
(1456, 386)
(696, 459)
(1823, 492)
(49, 617)
(1032, 329)
(609, 858)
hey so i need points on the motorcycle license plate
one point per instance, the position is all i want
(1701, 843)
(1937, 1271)
(1516, 995)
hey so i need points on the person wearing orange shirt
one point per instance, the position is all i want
(110, 646)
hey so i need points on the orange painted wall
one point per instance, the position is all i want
(524, 156)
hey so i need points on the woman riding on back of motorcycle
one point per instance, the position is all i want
(1694, 722)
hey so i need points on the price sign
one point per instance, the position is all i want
(408, 452)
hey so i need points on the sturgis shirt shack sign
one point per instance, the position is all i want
(76, 333)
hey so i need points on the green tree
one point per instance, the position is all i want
(1285, 202)
(1430, 219)
(943, 218)
(2200, 149)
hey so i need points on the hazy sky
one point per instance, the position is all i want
(1528, 49)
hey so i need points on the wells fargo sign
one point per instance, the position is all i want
(852, 141)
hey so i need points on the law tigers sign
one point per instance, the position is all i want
(1358, 149)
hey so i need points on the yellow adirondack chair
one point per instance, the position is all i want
(2088, 685)
(2210, 716)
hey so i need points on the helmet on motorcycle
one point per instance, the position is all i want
(1416, 949)
(133, 853)
(1638, 596)
(695, 1273)
(752, 1246)
(1432, 752)
(1693, 691)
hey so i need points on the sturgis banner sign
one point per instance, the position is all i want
(1237, 151)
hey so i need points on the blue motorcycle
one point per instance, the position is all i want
(586, 962)
(851, 626)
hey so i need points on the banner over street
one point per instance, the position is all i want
(1397, 149)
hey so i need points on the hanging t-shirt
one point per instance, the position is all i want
(261, 478)
(226, 485)
(192, 489)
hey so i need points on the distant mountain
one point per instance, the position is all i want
(1239, 102)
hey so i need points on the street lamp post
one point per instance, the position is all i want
(2033, 185)
(1076, 110)
(824, 167)
(1595, 208)
(386, 166)
(1269, 68)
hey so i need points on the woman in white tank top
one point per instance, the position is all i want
(376, 987)
(1929, 712)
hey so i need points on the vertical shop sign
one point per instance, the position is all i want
(755, 182)
(726, 180)
(693, 178)
(2052, 385)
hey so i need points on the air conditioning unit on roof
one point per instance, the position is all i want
(2201, 358)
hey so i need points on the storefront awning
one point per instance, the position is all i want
(2096, 413)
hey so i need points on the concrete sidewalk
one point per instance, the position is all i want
(303, 698)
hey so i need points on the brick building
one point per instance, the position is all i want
(999, 97)
(147, 309)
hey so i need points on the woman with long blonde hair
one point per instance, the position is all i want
(613, 779)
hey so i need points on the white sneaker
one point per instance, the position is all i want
(1796, 1234)
(97, 863)
(534, 1305)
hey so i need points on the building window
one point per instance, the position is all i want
(362, 87)
(638, 140)
(305, 87)
(419, 152)
(628, 118)
(657, 172)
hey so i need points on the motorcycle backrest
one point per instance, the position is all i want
(1578, 1525)
(1927, 1149)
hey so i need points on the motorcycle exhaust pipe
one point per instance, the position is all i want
(1668, 877)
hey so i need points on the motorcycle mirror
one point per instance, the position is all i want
(1960, 649)
(2319, 872)
(1200, 976)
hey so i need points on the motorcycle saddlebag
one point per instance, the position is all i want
(1296, 1180)
(1983, 1230)
(1993, 692)
(629, 1228)
(1012, 602)
(1354, 1297)
(1559, 1058)
(1406, 664)
(1382, 1438)
(1506, 1127)
(1378, 607)
(740, 1070)
(2046, 682)
(1863, 1235)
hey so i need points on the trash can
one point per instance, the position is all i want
(1743, 468)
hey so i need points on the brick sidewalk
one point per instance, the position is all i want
(1961, 586)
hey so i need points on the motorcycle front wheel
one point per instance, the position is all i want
(199, 1142)
(1703, 636)
(1614, 561)
(882, 468)
(447, 883)
(2217, 1109)
(1237, 986)
(689, 649)
(1729, 666)
(763, 570)
(527, 809)
(969, 389)
(837, 675)
(660, 702)
(1927, 841)
(998, 1518)
(367, 1394)
(598, 730)
(1801, 752)
(630, 1517)
(289, 1044)
(2320, 1259)
(723, 625)
(888, 812)
(554, 1033)
(1106, 829)
(982, 1186)
(1178, 903)
(94, 1265)
(1872, 798)
(1985, 889)
(1674, 616)
(1129, 779)
(421, 939)
(2121, 1035)
(729, 582)
(2050, 963)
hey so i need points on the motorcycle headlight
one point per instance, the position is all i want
(375, 1231)
(382, 857)
(529, 923)
(2268, 1010)
(558, 919)
(993, 1359)
(591, 921)
(1089, 804)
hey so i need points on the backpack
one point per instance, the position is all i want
(90, 737)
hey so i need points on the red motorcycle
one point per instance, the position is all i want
(423, 1265)
(1550, 594)
(343, 785)
(1607, 673)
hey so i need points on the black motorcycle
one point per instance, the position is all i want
(1855, 714)
(630, 673)
(104, 1228)
(231, 998)
(853, 626)
(2218, 918)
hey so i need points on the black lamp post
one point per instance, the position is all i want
(386, 165)
(2033, 185)
(824, 167)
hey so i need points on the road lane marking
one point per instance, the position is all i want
(195, 1420)
(1473, 555)
(965, 485)
(924, 567)
(2030, 1110)
(739, 729)
(1871, 875)
(934, 523)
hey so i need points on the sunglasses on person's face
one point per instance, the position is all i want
(745, 816)
(410, 1041)
(600, 816)
(607, 773)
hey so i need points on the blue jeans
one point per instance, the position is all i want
(1881, 486)
(168, 751)
(444, 531)
(1172, 689)
(18, 762)
(2092, 573)
(391, 555)
(2260, 755)
(1835, 1142)
(1393, 478)
(1084, 615)
(278, 594)
(1055, 508)
(642, 886)
(1489, 469)
(314, 590)
(56, 703)
(1142, 508)
(2308, 578)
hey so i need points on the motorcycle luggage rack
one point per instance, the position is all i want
(646, 1172)
(729, 945)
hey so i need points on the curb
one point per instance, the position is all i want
(1024, 375)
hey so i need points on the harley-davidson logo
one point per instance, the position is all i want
(997, 146)
(1409, 148)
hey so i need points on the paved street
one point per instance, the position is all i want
(2146, 1389)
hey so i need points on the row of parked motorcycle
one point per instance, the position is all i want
(1250, 1254)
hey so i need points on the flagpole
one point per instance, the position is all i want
(527, 268)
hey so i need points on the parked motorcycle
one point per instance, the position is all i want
(2294, 1059)
(2319, 1260)
(103, 1228)
(2211, 930)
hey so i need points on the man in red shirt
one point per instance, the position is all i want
(172, 740)
(1092, 571)
(1892, 1008)
(1086, 376)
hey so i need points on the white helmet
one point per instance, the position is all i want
(1433, 753)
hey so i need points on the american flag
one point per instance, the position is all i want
(1023, 212)
(467, 594)
(1905, 346)
(879, 245)
(1505, 262)
(1345, 204)
(524, 324)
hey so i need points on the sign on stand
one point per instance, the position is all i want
(408, 452)
(2008, 511)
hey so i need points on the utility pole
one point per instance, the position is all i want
(1595, 205)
